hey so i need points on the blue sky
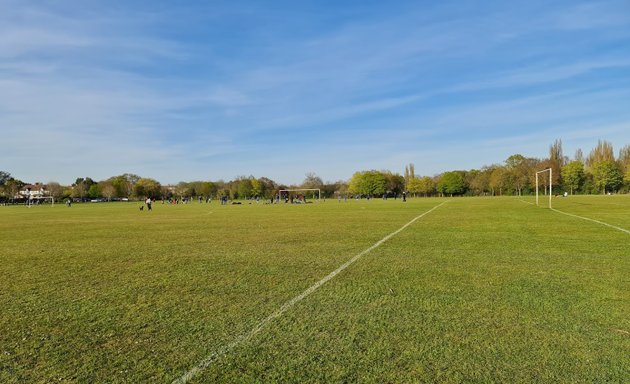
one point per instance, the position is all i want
(213, 90)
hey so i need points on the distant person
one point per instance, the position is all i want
(148, 203)
(68, 203)
(404, 196)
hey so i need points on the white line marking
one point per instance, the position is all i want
(526, 202)
(205, 363)
(593, 220)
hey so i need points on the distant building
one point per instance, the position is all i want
(33, 190)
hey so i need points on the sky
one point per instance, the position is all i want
(209, 90)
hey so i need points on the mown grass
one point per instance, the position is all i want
(481, 289)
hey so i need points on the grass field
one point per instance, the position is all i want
(478, 290)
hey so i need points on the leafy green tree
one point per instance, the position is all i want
(624, 158)
(519, 168)
(244, 188)
(78, 188)
(602, 152)
(206, 188)
(498, 180)
(452, 183)
(268, 187)
(427, 186)
(395, 182)
(14, 186)
(257, 188)
(94, 191)
(479, 181)
(607, 176)
(119, 183)
(414, 186)
(368, 183)
(146, 187)
(573, 175)
(409, 172)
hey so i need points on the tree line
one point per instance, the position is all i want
(598, 172)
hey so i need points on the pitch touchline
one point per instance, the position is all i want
(205, 363)
(593, 220)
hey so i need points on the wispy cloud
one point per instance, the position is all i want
(212, 91)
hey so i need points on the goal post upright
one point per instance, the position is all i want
(550, 170)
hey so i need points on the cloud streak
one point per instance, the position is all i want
(203, 91)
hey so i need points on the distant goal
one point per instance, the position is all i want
(316, 193)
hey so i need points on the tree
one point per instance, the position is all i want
(624, 158)
(519, 168)
(607, 176)
(479, 181)
(312, 181)
(245, 188)
(78, 188)
(81, 187)
(555, 179)
(55, 190)
(421, 185)
(395, 183)
(4, 177)
(579, 156)
(555, 153)
(368, 183)
(414, 186)
(602, 152)
(452, 183)
(108, 190)
(573, 175)
(185, 190)
(12, 186)
(94, 191)
(146, 187)
(206, 188)
(626, 179)
(257, 190)
(268, 187)
(497, 180)
(427, 186)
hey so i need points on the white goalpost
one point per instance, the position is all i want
(550, 183)
(319, 192)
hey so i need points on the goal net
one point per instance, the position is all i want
(300, 195)
(550, 183)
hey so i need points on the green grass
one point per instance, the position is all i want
(481, 289)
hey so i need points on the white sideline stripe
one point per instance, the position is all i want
(526, 202)
(593, 220)
(205, 363)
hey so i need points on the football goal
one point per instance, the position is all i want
(286, 193)
(39, 200)
(550, 183)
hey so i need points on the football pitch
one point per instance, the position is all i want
(431, 290)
